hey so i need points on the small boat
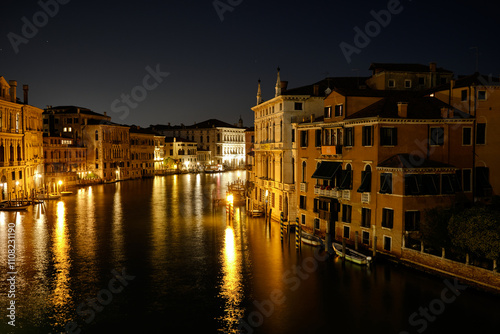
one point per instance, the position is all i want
(351, 255)
(310, 239)
(48, 196)
(66, 193)
(13, 206)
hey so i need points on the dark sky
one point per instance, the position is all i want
(91, 53)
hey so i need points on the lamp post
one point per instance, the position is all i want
(15, 190)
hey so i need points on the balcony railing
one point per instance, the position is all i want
(346, 194)
(365, 198)
(303, 187)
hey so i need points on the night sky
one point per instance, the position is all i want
(92, 53)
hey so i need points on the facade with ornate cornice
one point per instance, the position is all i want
(21, 143)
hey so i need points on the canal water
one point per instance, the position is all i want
(154, 256)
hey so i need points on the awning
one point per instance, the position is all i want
(346, 182)
(327, 170)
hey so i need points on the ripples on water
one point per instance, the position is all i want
(196, 270)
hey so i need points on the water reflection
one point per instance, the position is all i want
(61, 296)
(232, 291)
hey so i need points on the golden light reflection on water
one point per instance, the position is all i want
(232, 285)
(61, 296)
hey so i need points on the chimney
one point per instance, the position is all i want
(316, 90)
(26, 88)
(284, 85)
(403, 109)
(432, 67)
(105, 114)
(13, 90)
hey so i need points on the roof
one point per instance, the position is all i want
(72, 110)
(418, 108)
(330, 82)
(103, 122)
(402, 67)
(210, 123)
(137, 129)
(412, 161)
(477, 79)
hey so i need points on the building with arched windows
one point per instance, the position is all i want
(21, 144)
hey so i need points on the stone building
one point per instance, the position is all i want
(21, 143)
(182, 152)
(142, 152)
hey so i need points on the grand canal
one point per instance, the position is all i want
(148, 256)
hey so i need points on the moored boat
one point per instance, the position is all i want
(310, 239)
(48, 196)
(351, 255)
(13, 206)
(66, 193)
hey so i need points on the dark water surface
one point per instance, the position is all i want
(150, 256)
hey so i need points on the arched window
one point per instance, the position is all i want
(96, 135)
(96, 153)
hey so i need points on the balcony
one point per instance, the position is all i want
(288, 187)
(365, 198)
(303, 187)
(346, 195)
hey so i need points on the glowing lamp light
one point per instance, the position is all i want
(60, 182)
(230, 198)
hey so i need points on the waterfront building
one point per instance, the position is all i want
(142, 152)
(479, 96)
(64, 162)
(159, 155)
(182, 153)
(21, 143)
(225, 142)
(108, 149)
(275, 175)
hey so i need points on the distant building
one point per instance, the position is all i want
(182, 152)
(225, 142)
(64, 162)
(21, 143)
(142, 152)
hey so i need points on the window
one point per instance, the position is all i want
(318, 138)
(463, 95)
(96, 135)
(273, 198)
(387, 243)
(316, 223)
(388, 136)
(386, 183)
(349, 136)
(346, 213)
(366, 181)
(347, 231)
(298, 105)
(304, 168)
(65, 129)
(466, 136)
(367, 138)
(481, 95)
(13, 176)
(436, 136)
(339, 109)
(365, 237)
(20, 175)
(392, 83)
(412, 221)
(303, 219)
(481, 133)
(303, 138)
(387, 218)
(366, 217)
(316, 205)
(421, 81)
(407, 83)
(346, 178)
(97, 154)
(293, 135)
(302, 203)
(328, 112)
